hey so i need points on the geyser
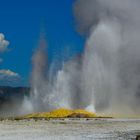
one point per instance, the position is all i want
(64, 91)
(38, 77)
(111, 64)
(107, 76)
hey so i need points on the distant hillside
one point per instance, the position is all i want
(7, 94)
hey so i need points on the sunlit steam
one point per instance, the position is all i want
(39, 77)
(107, 76)
(112, 61)
(65, 91)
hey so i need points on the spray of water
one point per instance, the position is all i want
(107, 77)
(64, 91)
(111, 66)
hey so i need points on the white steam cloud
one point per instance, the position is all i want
(107, 77)
(112, 61)
(38, 79)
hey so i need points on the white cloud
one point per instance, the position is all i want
(3, 43)
(8, 73)
(8, 77)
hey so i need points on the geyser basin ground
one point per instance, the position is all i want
(70, 129)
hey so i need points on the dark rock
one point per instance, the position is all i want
(78, 115)
(138, 137)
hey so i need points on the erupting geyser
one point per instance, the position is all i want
(111, 63)
(107, 77)
(65, 91)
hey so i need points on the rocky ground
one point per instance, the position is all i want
(70, 129)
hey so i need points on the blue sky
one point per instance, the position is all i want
(21, 22)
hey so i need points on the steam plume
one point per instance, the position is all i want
(111, 65)
(107, 77)
(39, 75)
